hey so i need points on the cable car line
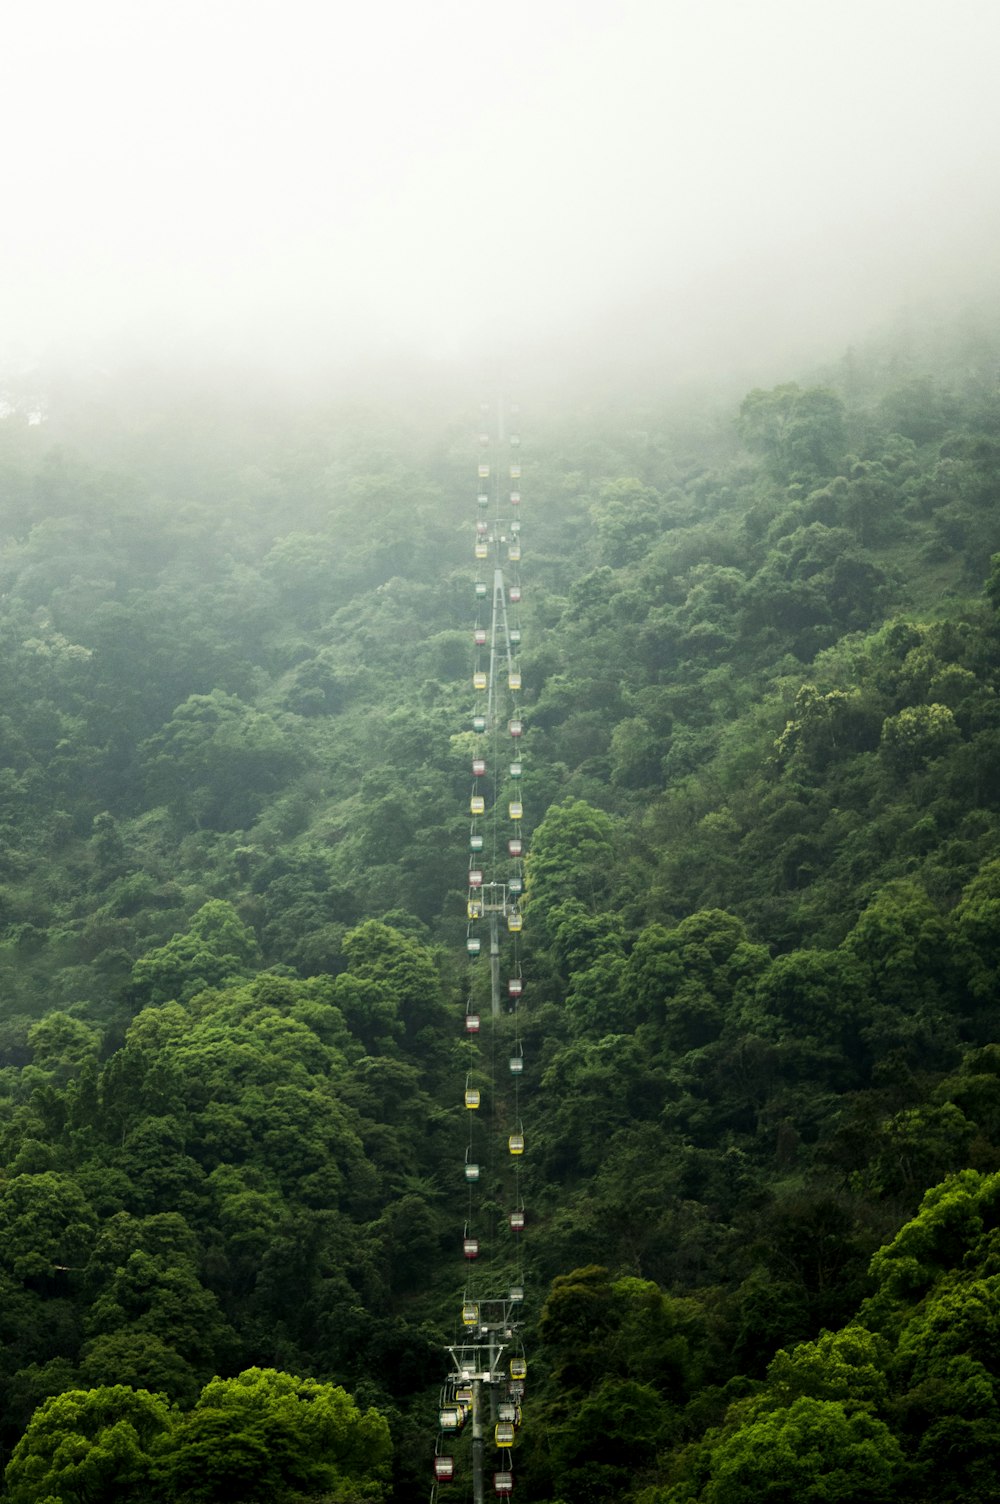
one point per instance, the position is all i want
(486, 1384)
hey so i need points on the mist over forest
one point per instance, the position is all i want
(499, 753)
(759, 953)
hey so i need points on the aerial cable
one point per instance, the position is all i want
(485, 1384)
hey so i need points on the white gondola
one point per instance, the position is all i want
(515, 846)
(475, 878)
(515, 727)
(517, 1221)
(472, 1022)
(471, 1168)
(517, 1065)
(515, 498)
(480, 589)
(515, 770)
(515, 986)
(479, 637)
(470, 1248)
(482, 527)
(475, 842)
(483, 499)
(503, 1483)
(515, 637)
(479, 723)
(478, 767)
(473, 945)
(515, 886)
(449, 1418)
(516, 1293)
(514, 593)
(444, 1467)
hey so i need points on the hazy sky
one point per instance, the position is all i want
(445, 174)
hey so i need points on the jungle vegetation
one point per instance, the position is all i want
(762, 785)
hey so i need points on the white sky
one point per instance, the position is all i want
(440, 174)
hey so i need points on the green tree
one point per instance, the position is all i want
(572, 856)
(916, 736)
(815, 1450)
(217, 760)
(46, 1224)
(217, 948)
(797, 432)
(266, 1437)
(95, 1446)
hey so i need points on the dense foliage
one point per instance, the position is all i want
(762, 752)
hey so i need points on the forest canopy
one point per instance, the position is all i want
(762, 940)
